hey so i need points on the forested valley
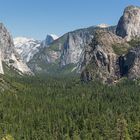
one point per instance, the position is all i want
(54, 108)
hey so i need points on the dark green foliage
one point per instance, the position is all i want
(65, 109)
(122, 131)
(10, 71)
(135, 42)
(121, 49)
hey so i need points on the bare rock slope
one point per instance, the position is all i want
(8, 54)
(129, 24)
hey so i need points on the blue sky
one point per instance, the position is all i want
(36, 18)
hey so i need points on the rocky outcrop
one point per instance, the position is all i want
(131, 63)
(8, 54)
(100, 60)
(129, 24)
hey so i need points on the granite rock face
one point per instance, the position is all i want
(72, 48)
(49, 39)
(100, 60)
(75, 44)
(8, 53)
(131, 63)
(129, 24)
(102, 63)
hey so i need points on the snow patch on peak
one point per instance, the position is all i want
(26, 47)
(21, 40)
(103, 25)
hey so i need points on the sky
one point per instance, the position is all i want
(37, 18)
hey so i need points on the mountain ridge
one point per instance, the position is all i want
(28, 47)
(66, 50)
(70, 51)
(97, 63)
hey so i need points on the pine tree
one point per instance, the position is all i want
(136, 131)
(67, 137)
(76, 136)
(122, 131)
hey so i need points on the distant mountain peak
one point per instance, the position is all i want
(49, 39)
(54, 36)
(26, 47)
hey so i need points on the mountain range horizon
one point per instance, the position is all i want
(68, 50)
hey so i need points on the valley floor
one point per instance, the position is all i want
(66, 109)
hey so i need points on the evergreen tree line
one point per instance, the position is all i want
(65, 109)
